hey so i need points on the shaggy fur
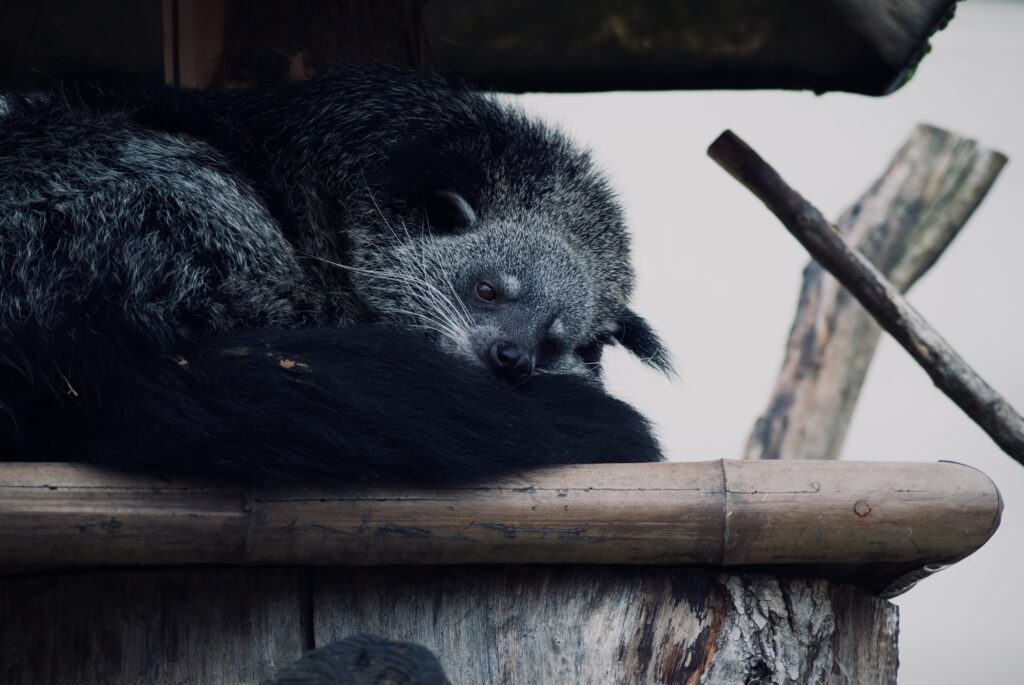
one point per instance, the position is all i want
(199, 282)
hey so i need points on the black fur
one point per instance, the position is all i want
(363, 660)
(177, 292)
(367, 405)
(635, 334)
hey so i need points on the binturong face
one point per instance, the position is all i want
(510, 296)
(513, 300)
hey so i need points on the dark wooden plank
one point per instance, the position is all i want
(43, 36)
(867, 46)
(221, 43)
(519, 45)
(151, 627)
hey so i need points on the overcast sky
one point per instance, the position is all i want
(718, 276)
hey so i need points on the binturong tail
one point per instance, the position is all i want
(333, 405)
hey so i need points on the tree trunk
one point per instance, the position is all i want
(618, 625)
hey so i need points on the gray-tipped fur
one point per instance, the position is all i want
(366, 196)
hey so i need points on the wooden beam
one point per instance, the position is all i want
(220, 43)
(869, 523)
(193, 41)
(865, 46)
(901, 224)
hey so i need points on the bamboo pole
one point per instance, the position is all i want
(867, 523)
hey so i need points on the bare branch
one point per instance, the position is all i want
(882, 299)
(901, 224)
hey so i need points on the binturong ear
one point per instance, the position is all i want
(635, 334)
(447, 211)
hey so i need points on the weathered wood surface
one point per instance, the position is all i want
(151, 627)
(216, 43)
(39, 37)
(487, 625)
(616, 625)
(866, 46)
(902, 224)
(559, 45)
(867, 523)
(950, 373)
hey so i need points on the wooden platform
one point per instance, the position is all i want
(615, 573)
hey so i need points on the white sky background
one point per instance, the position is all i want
(718, 277)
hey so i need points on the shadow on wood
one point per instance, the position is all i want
(512, 624)
(511, 45)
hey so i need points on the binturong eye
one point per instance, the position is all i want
(486, 292)
(548, 348)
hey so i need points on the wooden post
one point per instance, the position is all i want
(586, 624)
(950, 373)
(902, 224)
(573, 574)
(487, 624)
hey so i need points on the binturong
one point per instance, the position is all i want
(372, 276)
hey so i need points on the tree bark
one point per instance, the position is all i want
(902, 224)
(617, 625)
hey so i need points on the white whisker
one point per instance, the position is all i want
(440, 315)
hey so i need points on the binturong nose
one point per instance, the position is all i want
(510, 362)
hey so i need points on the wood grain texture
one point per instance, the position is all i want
(560, 45)
(867, 46)
(950, 373)
(616, 624)
(902, 224)
(197, 35)
(486, 624)
(150, 627)
(866, 523)
(795, 631)
(895, 28)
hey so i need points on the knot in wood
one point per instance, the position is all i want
(862, 508)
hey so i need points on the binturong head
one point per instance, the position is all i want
(497, 238)
(510, 294)
(506, 296)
